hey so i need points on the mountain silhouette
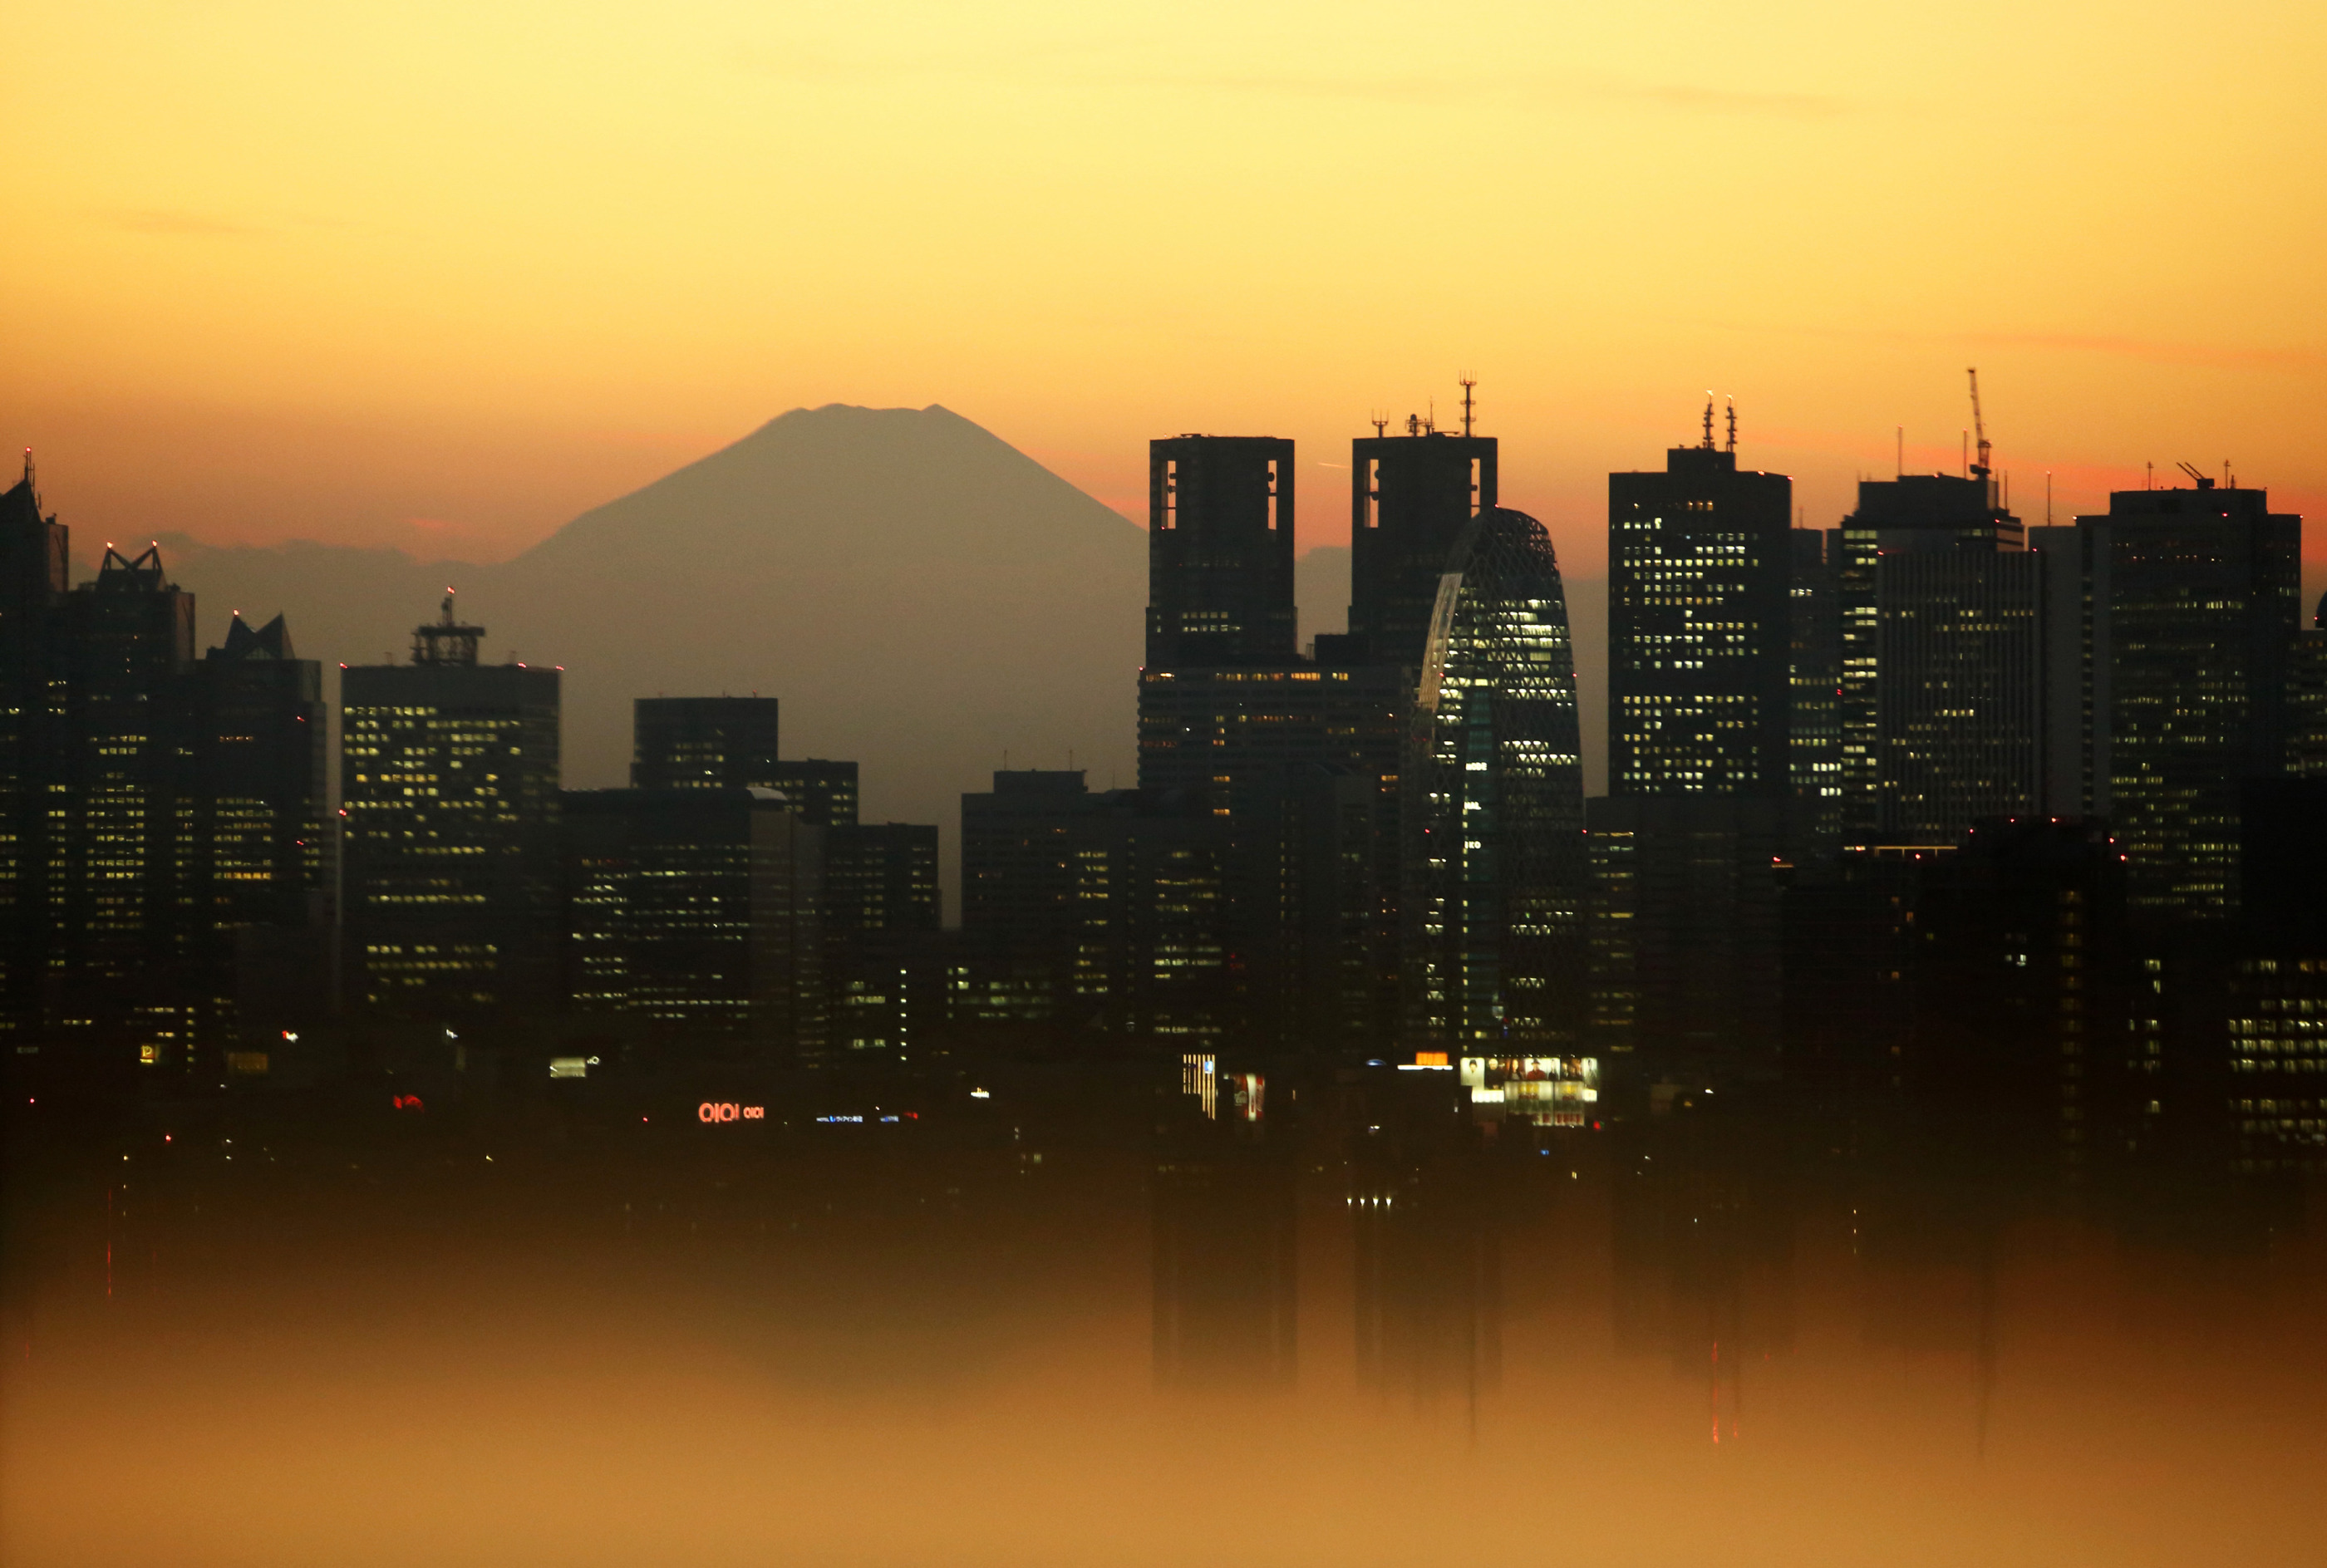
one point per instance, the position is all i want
(924, 599)
(921, 596)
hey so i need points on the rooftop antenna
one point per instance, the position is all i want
(1471, 381)
(1732, 426)
(28, 468)
(1430, 422)
(1708, 419)
(1380, 425)
(1978, 424)
(1414, 424)
(2048, 497)
(1903, 452)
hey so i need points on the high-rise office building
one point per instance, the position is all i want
(1685, 935)
(117, 931)
(256, 851)
(1220, 552)
(1410, 498)
(33, 582)
(1709, 656)
(253, 777)
(1108, 913)
(1699, 628)
(448, 773)
(1923, 510)
(1815, 728)
(884, 972)
(1493, 802)
(1958, 692)
(703, 742)
(693, 913)
(2195, 597)
(1286, 754)
(2306, 699)
(823, 792)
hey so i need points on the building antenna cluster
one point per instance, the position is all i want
(1468, 381)
(1732, 426)
(1708, 419)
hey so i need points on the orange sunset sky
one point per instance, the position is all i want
(442, 275)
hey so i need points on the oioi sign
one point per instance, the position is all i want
(717, 1111)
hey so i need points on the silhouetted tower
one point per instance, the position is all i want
(449, 781)
(128, 638)
(33, 580)
(2196, 598)
(1699, 631)
(1955, 528)
(1220, 552)
(1410, 496)
(704, 743)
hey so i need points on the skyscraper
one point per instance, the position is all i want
(2306, 699)
(1410, 498)
(884, 971)
(1919, 511)
(256, 852)
(1108, 913)
(253, 759)
(1958, 703)
(1708, 651)
(693, 914)
(1493, 802)
(1815, 740)
(2195, 597)
(449, 777)
(1220, 552)
(823, 792)
(703, 742)
(117, 931)
(1699, 628)
(32, 584)
(1285, 755)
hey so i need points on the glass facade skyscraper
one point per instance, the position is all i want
(1495, 874)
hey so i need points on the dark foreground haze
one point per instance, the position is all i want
(1072, 1321)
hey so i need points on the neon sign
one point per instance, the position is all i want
(717, 1111)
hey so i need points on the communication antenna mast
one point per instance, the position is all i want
(1708, 419)
(1468, 382)
(1732, 426)
(1381, 424)
(1980, 470)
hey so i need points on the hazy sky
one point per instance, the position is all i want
(442, 275)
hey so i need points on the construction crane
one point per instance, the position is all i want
(1980, 428)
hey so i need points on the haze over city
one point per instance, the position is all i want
(1256, 785)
